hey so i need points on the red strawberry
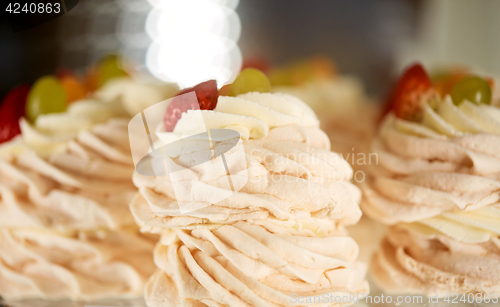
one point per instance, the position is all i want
(206, 92)
(207, 95)
(406, 98)
(11, 110)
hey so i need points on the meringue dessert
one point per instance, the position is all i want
(438, 186)
(279, 235)
(65, 185)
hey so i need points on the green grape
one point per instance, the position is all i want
(472, 88)
(46, 96)
(250, 80)
(110, 67)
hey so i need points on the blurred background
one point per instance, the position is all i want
(187, 41)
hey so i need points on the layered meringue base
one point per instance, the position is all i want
(83, 265)
(275, 231)
(438, 184)
(252, 263)
(417, 259)
(65, 228)
(65, 184)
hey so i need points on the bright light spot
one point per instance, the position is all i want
(193, 41)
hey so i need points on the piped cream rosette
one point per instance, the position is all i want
(65, 227)
(281, 233)
(439, 179)
(83, 186)
(291, 173)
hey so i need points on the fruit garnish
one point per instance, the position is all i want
(11, 110)
(92, 79)
(444, 81)
(207, 95)
(110, 67)
(206, 92)
(107, 68)
(472, 88)
(256, 62)
(177, 106)
(224, 91)
(46, 96)
(250, 80)
(74, 88)
(412, 88)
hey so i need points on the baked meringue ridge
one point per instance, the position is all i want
(282, 233)
(65, 185)
(438, 186)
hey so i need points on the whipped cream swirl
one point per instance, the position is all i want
(65, 227)
(443, 172)
(281, 233)
(85, 186)
(438, 183)
(65, 185)
(291, 173)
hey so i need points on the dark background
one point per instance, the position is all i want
(362, 36)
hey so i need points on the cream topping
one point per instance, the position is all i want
(65, 185)
(442, 172)
(121, 98)
(281, 233)
(253, 115)
(289, 171)
(85, 186)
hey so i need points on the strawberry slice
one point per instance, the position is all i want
(206, 92)
(207, 95)
(406, 98)
(11, 110)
